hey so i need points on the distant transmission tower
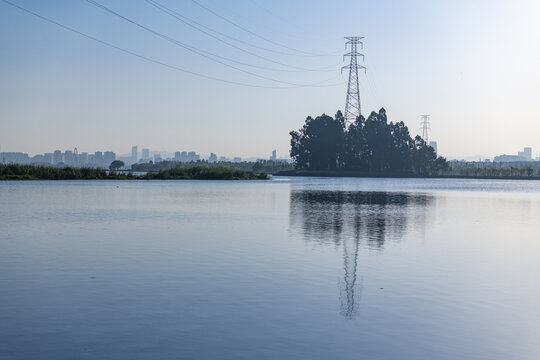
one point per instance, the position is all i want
(425, 128)
(352, 104)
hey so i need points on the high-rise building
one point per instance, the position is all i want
(48, 158)
(527, 152)
(192, 156)
(98, 159)
(178, 156)
(108, 158)
(37, 159)
(14, 158)
(146, 155)
(134, 154)
(82, 159)
(157, 158)
(433, 144)
(212, 157)
(237, 159)
(274, 156)
(57, 157)
(69, 158)
(183, 156)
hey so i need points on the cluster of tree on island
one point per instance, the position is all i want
(367, 146)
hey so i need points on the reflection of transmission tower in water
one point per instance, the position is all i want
(349, 304)
(425, 128)
(352, 103)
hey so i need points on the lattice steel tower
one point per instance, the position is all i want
(352, 104)
(425, 128)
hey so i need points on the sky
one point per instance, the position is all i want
(472, 65)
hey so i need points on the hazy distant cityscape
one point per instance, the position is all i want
(102, 159)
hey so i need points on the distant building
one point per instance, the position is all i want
(41, 159)
(82, 159)
(134, 154)
(157, 158)
(223, 159)
(37, 159)
(433, 144)
(183, 156)
(237, 159)
(14, 158)
(193, 156)
(212, 158)
(146, 155)
(178, 156)
(274, 156)
(508, 158)
(525, 155)
(98, 159)
(108, 158)
(48, 158)
(57, 157)
(69, 158)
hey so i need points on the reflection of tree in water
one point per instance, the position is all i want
(349, 218)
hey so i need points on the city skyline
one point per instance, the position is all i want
(105, 158)
(459, 62)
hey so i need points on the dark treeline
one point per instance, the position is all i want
(494, 170)
(35, 172)
(205, 173)
(268, 166)
(367, 146)
(32, 172)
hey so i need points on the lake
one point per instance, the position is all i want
(291, 268)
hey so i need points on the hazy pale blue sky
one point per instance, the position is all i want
(472, 65)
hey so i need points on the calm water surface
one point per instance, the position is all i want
(282, 269)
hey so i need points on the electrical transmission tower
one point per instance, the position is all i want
(352, 104)
(425, 128)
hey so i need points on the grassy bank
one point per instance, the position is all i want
(31, 172)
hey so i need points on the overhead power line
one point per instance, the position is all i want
(185, 19)
(200, 52)
(190, 22)
(255, 34)
(292, 24)
(148, 59)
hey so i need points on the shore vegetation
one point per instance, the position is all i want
(32, 172)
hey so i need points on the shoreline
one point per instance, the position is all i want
(352, 174)
(33, 173)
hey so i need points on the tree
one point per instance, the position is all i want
(116, 164)
(319, 144)
(371, 145)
